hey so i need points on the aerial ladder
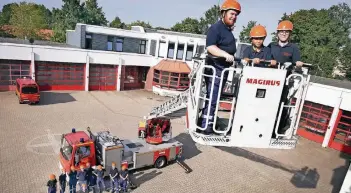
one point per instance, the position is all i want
(257, 105)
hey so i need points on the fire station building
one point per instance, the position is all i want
(102, 58)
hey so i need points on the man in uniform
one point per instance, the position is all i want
(72, 180)
(258, 52)
(62, 181)
(285, 51)
(99, 173)
(114, 174)
(220, 42)
(81, 176)
(51, 184)
(124, 178)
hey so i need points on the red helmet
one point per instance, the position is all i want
(231, 4)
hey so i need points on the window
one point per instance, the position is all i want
(131, 74)
(66, 149)
(119, 45)
(162, 50)
(180, 51)
(109, 43)
(170, 53)
(189, 53)
(88, 41)
(142, 46)
(171, 80)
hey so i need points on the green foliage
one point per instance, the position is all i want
(245, 32)
(6, 13)
(188, 25)
(93, 14)
(139, 23)
(26, 20)
(117, 23)
(211, 16)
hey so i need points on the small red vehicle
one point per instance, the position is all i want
(156, 130)
(27, 90)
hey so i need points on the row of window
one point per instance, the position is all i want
(163, 51)
(117, 44)
(170, 80)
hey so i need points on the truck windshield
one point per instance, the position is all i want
(29, 90)
(66, 150)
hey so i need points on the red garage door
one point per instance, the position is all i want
(60, 76)
(341, 136)
(10, 70)
(102, 77)
(314, 121)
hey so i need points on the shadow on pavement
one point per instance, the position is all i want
(339, 174)
(49, 98)
(303, 178)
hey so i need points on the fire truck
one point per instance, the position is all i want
(263, 105)
(103, 148)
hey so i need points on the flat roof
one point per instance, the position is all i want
(36, 42)
(331, 82)
(26, 81)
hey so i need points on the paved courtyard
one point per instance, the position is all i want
(29, 140)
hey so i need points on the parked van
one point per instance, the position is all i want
(27, 90)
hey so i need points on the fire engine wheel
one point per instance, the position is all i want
(160, 162)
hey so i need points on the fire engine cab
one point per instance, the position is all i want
(80, 147)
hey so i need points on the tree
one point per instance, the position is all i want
(71, 13)
(188, 25)
(117, 23)
(6, 13)
(245, 32)
(26, 20)
(211, 16)
(320, 39)
(139, 23)
(93, 14)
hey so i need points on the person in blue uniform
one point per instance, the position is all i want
(285, 51)
(114, 174)
(52, 184)
(81, 176)
(221, 44)
(72, 180)
(257, 52)
(62, 181)
(99, 173)
(91, 181)
(124, 178)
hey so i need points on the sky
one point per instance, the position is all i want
(169, 12)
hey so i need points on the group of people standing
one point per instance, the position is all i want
(221, 48)
(89, 179)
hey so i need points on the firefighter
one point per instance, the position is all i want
(283, 50)
(62, 181)
(72, 180)
(124, 178)
(90, 177)
(99, 173)
(258, 52)
(81, 177)
(52, 184)
(114, 174)
(220, 43)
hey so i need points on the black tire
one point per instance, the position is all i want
(160, 162)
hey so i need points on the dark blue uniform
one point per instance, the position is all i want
(90, 177)
(100, 178)
(123, 183)
(114, 181)
(81, 176)
(52, 186)
(62, 181)
(287, 53)
(72, 182)
(221, 36)
(264, 54)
